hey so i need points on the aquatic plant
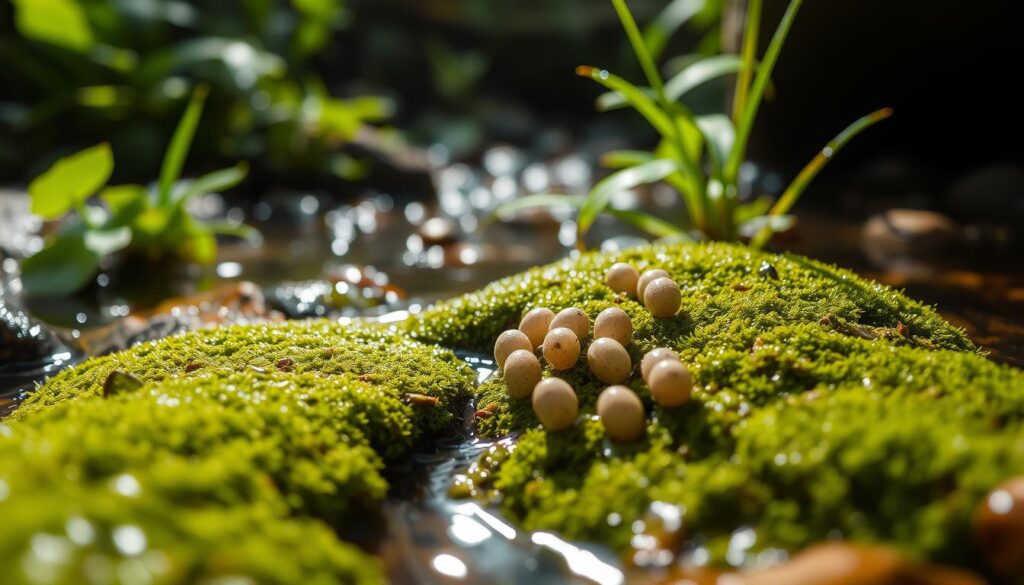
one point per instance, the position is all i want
(698, 155)
(153, 221)
(81, 71)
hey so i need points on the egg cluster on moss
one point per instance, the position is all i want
(820, 404)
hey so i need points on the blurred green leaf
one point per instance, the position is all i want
(57, 22)
(719, 135)
(546, 200)
(152, 222)
(652, 225)
(201, 244)
(174, 158)
(807, 174)
(753, 101)
(620, 159)
(599, 197)
(701, 72)
(772, 223)
(667, 22)
(70, 181)
(125, 199)
(235, 229)
(62, 267)
(107, 240)
(752, 209)
(214, 182)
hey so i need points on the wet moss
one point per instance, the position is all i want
(216, 451)
(382, 356)
(897, 423)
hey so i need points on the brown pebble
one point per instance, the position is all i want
(646, 278)
(615, 323)
(622, 414)
(555, 404)
(609, 361)
(192, 366)
(999, 528)
(284, 364)
(561, 348)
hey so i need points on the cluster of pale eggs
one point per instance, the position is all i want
(558, 336)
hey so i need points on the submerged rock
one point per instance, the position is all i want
(23, 339)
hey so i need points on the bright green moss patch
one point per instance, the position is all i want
(214, 465)
(381, 356)
(825, 405)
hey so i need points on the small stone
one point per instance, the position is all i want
(536, 325)
(622, 414)
(285, 364)
(609, 361)
(622, 278)
(574, 319)
(768, 271)
(647, 278)
(999, 528)
(561, 348)
(670, 382)
(614, 323)
(555, 404)
(662, 297)
(654, 356)
(508, 342)
(522, 373)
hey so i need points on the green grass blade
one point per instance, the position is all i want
(648, 223)
(640, 48)
(545, 200)
(634, 96)
(667, 22)
(701, 72)
(216, 181)
(174, 158)
(749, 50)
(601, 195)
(809, 172)
(753, 100)
(622, 159)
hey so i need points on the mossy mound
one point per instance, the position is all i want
(826, 405)
(219, 470)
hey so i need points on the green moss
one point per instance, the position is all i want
(382, 356)
(897, 424)
(232, 437)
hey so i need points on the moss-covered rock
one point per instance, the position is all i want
(826, 405)
(220, 453)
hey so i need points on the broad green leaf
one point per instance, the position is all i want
(152, 222)
(753, 101)
(752, 209)
(174, 158)
(546, 200)
(667, 22)
(771, 223)
(597, 200)
(214, 182)
(701, 72)
(799, 184)
(70, 181)
(62, 267)
(338, 120)
(653, 225)
(719, 134)
(201, 244)
(58, 22)
(125, 200)
(751, 30)
(107, 241)
(235, 229)
(620, 159)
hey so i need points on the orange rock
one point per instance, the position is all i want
(999, 529)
